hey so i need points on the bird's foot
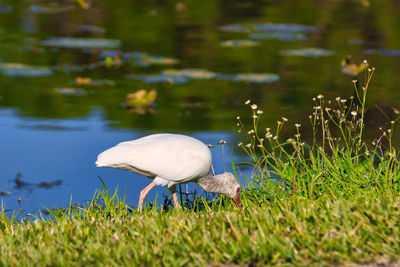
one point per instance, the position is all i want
(140, 208)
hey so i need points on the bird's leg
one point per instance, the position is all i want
(143, 194)
(177, 205)
(175, 197)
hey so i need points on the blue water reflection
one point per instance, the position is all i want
(49, 150)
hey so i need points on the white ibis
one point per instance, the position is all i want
(170, 159)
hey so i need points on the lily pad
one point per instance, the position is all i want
(30, 48)
(90, 82)
(282, 36)
(383, 52)
(70, 68)
(6, 9)
(134, 55)
(191, 73)
(235, 28)
(82, 43)
(145, 61)
(308, 52)
(22, 70)
(91, 29)
(70, 91)
(110, 53)
(233, 43)
(159, 78)
(251, 77)
(51, 9)
(284, 28)
(389, 52)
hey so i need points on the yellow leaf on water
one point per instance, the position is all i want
(141, 98)
(83, 3)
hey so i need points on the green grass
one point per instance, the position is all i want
(333, 205)
(365, 228)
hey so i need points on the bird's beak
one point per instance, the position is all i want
(236, 201)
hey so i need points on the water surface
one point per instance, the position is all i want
(52, 128)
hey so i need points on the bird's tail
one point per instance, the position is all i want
(101, 164)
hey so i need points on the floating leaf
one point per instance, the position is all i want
(153, 60)
(251, 77)
(159, 78)
(91, 29)
(141, 98)
(284, 28)
(110, 53)
(89, 82)
(70, 68)
(308, 52)
(112, 62)
(84, 4)
(350, 68)
(383, 52)
(22, 70)
(30, 48)
(232, 43)
(77, 68)
(191, 73)
(235, 28)
(6, 9)
(70, 91)
(389, 52)
(282, 36)
(51, 9)
(144, 60)
(370, 51)
(83, 81)
(71, 42)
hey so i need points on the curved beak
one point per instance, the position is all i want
(236, 201)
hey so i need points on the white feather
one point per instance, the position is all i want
(170, 158)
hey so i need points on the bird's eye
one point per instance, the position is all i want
(238, 190)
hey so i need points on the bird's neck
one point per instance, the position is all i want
(210, 183)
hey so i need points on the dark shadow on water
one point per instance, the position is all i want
(20, 184)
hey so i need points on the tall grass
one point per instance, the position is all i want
(337, 160)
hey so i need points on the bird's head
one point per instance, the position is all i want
(231, 187)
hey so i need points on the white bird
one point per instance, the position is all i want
(170, 159)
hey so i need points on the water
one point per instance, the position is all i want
(50, 150)
(51, 132)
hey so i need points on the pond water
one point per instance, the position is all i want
(65, 72)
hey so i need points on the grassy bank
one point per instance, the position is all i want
(365, 228)
(335, 202)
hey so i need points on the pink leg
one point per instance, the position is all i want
(143, 194)
(176, 202)
(175, 197)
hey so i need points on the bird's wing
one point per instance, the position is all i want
(173, 157)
